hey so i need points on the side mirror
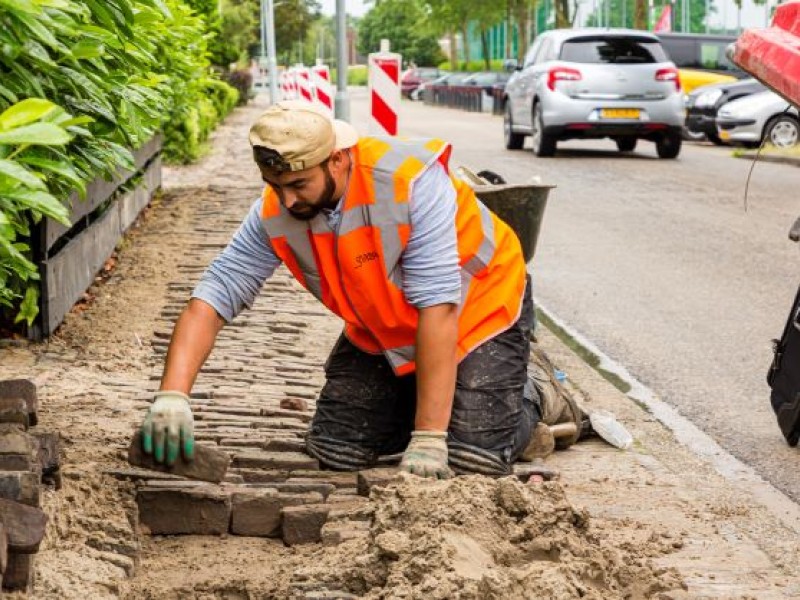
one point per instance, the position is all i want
(510, 65)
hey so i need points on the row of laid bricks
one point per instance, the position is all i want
(299, 507)
(28, 461)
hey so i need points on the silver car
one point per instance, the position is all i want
(752, 119)
(595, 83)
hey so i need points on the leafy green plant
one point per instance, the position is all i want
(107, 75)
(26, 127)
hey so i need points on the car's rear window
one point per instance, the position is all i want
(620, 50)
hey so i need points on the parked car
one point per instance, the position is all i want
(703, 104)
(447, 79)
(591, 84)
(411, 79)
(758, 117)
(701, 58)
(486, 79)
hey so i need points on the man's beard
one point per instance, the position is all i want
(309, 211)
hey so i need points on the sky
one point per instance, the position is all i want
(357, 8)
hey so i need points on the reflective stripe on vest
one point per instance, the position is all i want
(340, 269)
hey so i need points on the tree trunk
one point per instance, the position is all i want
(487, 59)
(522, 31)
(640, 15)
(453, 51)
(465, 43)
(562, 14)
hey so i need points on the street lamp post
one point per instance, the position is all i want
(342, 103)
(268, 45)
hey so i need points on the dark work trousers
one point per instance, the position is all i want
(365, 411)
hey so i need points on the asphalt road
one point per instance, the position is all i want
(658, 263)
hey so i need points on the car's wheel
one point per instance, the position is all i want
(669, 145)
(514, 141)
(783, 131)
(626, 144)
(543, 144)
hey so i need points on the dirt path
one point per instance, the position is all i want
(640, 524)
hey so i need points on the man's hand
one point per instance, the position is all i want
(426, 455)
(169, 421)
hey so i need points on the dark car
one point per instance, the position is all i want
(411, 79)
(486, 80)
(704, 103)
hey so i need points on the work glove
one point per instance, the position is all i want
(168, 423)
(426, 455)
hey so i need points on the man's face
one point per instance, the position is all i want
(304, 193)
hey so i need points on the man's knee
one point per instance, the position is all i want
(338, 454)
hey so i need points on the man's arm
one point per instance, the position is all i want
(437, 335)
(192, 340)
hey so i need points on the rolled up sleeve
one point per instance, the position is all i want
(431, 274)
(233, 279)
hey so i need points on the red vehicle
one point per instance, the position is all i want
(411, 79)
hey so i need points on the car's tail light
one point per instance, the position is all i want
(562, 74)
(669, 74)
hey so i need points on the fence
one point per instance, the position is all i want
(69, 258)
(464, 97)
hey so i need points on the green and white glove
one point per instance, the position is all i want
(426, 455)
(168, 427)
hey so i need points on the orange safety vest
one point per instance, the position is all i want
(355, 270)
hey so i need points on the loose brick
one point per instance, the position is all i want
(17, 449)
(209, 464)
(24, 526)
(274, 460)
(261, 476)
(20, 486)
(257, 511)
(24, 389)
(340, 479)
(370, 478)
(303, 524)
(19, 572)
(201, 510)
(14, 410)
(297, 404)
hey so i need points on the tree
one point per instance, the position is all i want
(237, 33)
(293, 21)
(404, 24)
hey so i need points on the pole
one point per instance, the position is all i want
(342, 99)
(272, 61)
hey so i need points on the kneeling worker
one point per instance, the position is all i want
(430, 284)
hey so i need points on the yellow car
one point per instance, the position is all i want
(693, 78)
(700, 58)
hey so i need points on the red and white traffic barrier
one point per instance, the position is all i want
(305, 91)
(287, 90)
(321, 80)
(384, 91)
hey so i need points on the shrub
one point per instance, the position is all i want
(82, 82)
(242, 80)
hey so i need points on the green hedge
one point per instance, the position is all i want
(81, 83)
(473, 66)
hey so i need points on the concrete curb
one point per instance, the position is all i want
(770, 158)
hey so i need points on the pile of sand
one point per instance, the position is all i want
(474, 537)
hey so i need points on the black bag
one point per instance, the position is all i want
(784, 377)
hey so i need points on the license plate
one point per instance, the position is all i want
(724, 135)
(619, 113)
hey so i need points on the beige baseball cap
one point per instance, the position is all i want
(302, 133)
